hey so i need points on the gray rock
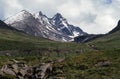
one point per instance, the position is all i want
(103, 63)
(43, 70)
(5, 69)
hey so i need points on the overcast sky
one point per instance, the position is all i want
(93, 16)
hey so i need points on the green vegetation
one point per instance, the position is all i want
(82, 61)
(88, 65)
(25, 47)
(84, 66)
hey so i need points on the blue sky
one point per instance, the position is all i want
(93, 16)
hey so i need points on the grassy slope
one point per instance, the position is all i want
(80, 58)
(28, 48)
(108, 42)
(10, 36)
(83, 66)
(15, 40)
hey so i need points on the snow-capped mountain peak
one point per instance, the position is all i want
(38, 24)
(18, 17)
(43, 19)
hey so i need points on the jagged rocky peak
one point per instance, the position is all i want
(61, 23)
(24, 11)
(41, 18)
(38, 14)
(57, 16)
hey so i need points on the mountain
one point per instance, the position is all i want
(61, 23)
(30, 24)
(90, 37)
(24, 21)
(50, 30)
(110, 41)
(40, 25)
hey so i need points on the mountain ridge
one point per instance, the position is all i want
(90, 37)
(40, 25)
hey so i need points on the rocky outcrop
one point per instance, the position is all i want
(22, 71)
(43, 70)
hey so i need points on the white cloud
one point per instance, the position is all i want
(11, 7)
(69, 9)
(13, 4)
(93, 16)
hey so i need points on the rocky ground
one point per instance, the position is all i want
(19, 70)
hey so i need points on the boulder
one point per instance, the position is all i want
(103, 63)
(7, 70)
(43, 70)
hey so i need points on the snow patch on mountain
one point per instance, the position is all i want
(18, 17)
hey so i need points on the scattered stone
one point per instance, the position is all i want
(103, 63)
(8, 54)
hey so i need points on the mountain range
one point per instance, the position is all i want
(56, 28)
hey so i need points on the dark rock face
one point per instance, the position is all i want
(61, 23)
(117, 28)
(5, 26)
(86, 38)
